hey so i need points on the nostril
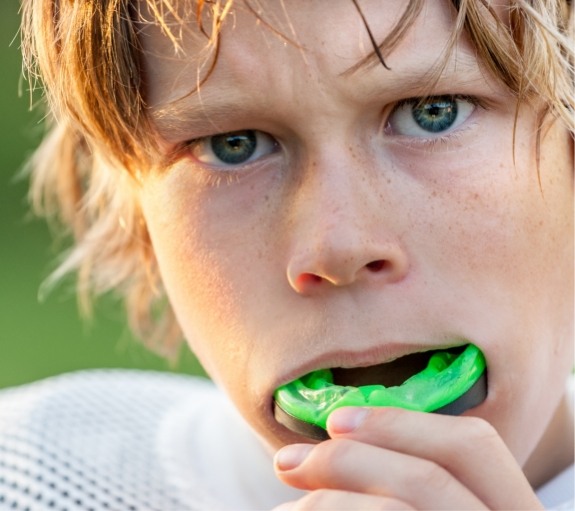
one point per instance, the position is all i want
(308, 278)
(376, 266)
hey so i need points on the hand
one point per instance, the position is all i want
(389, 458)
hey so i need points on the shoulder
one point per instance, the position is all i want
(101, 381)
(558, 494)
(91, 437)
(85, 400)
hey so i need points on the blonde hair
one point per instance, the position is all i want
(100, 139)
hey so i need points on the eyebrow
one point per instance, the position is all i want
(449, 71)
(181, 117)
(200, 113)
(463, 62)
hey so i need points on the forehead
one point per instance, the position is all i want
(264, 42)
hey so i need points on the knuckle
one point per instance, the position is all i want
(479, 430)
(474, 437)
(334, 449)
(430, 475)
(387, 417)
(330, 456)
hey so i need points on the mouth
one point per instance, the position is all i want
(447, 381)
(389, 374)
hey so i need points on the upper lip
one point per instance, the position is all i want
(380, 354)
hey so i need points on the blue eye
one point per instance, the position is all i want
(233, 148)
(430, 116)
(436, 116)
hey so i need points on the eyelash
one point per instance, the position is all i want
(216, 179)
(440, 140)
(474, 100)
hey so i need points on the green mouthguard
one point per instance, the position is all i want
(448, 376)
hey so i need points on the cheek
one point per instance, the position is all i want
(205, 299)
(517, 259)
(513, 225)
(212, 265)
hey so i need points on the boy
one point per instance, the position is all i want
(312, 185)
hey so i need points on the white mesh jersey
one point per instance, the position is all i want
(129, 441)
(142, 441)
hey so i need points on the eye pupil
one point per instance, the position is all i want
(236, 147)
(435, 115)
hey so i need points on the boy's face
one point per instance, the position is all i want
(349, 226)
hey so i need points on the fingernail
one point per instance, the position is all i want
(291, 456)
(346, 419)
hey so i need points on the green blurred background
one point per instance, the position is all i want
(39, 339)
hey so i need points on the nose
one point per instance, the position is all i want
(343, 234)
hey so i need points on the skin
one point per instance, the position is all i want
(349, 242)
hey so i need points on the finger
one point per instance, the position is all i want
(362, 468)
(467, 447)
(337, 500)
